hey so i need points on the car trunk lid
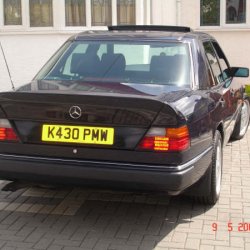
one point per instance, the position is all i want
(128, 116)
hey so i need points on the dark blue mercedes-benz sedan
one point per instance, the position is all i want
(138, 107)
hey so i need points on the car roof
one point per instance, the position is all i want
(154, 35)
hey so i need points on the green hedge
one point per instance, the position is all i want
(247, 90)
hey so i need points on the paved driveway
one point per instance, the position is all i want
(72, 219)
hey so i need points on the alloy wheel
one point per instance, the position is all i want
(218, 167)
(244, 118)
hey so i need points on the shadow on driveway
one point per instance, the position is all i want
(81, 218)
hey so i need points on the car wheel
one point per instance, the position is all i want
(216, 173)
(242, 123)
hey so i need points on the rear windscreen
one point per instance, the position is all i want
(124, 62)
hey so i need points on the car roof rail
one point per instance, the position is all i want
(149, 28)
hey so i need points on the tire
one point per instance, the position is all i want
(242, 122)
(215, 175)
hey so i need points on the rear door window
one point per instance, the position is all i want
(222, 60)
(213, 62)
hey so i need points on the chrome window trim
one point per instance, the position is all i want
(193, 83)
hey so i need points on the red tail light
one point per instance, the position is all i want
(169, 139)
(7, 133)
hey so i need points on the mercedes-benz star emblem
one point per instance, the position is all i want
(75, 112)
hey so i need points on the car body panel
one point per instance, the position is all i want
(131, 109)
(105, 174)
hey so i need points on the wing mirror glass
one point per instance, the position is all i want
(239, 72)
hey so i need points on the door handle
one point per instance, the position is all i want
(222, 102)
(232, 92)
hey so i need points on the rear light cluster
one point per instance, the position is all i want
(166, 139)
(7, 133)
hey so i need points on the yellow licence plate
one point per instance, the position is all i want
(78, 134)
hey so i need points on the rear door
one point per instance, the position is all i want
(223, 89)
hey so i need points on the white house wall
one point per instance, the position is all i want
(163, 12)
(25, 55)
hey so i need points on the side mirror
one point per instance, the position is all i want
(239, 72)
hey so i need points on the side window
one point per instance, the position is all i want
(222, 60)
(213, 62)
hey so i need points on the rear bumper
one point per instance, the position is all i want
(172, 179)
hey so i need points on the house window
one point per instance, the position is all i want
(235, 11)
(41, 13)
(210, 12)
(75, 12)
(126, 11)
(101, 12)
(12, 12)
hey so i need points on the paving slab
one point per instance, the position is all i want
(82, 218)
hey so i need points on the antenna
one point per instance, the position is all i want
(12, 84)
